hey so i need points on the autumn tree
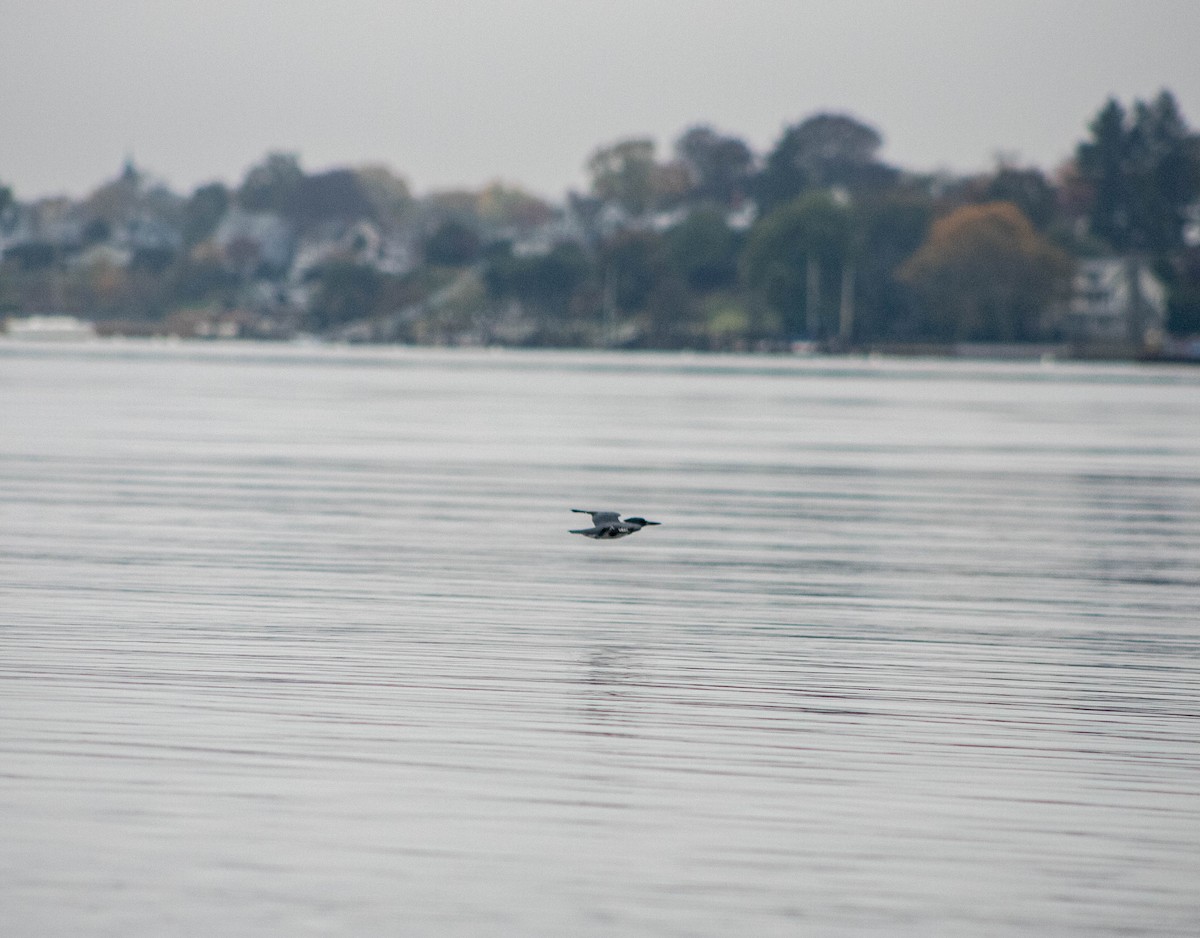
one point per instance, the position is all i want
(985, 273)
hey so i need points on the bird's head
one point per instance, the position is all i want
(642, 522)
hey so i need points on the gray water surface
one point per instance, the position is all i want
(294, 642)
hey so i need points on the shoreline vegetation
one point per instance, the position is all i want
(50, 332)
(814, 246)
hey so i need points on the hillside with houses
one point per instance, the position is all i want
(708, 246)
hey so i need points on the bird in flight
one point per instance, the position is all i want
(607, 525)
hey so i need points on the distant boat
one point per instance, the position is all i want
(49, 328)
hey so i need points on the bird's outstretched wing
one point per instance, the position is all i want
(599, 518)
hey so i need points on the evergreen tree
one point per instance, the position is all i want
(1144, 170)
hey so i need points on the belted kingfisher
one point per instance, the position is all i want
(608, 524)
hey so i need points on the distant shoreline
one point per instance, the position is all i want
(61, 331)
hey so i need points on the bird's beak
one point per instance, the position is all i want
(653, 522)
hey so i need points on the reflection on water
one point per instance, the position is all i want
(296, 643)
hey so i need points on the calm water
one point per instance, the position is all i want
(294, 643)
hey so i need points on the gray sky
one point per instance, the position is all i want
(460, 92)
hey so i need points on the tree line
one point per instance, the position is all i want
(709, 245)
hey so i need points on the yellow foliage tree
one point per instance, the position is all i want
(985, 273)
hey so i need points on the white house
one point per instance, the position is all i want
(1115, 299)
(360, 242)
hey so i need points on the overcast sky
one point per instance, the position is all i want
(456, 93)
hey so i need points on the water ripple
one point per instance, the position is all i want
(296, 642)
